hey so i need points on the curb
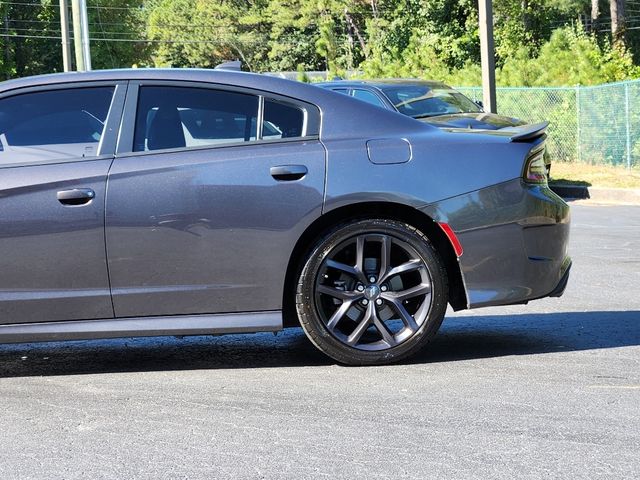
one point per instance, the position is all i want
(628, 196)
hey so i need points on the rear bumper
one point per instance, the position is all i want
(562, 285)
(515, 239)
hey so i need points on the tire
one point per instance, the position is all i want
(371, 292)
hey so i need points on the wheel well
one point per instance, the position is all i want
(396, 211)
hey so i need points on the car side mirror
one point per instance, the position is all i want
(480, 104)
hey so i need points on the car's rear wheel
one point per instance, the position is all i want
(372, 291)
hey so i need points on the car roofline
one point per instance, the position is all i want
(255, 81)
(379, 83)
(324, 99)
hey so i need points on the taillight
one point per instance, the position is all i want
(536, 170)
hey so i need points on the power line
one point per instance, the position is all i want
(141, 24)
(58, 31)
(218, 39)
(121, 24)
(8, 35)
(101, 7)
(140, 8)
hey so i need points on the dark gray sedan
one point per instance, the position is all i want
(191, 202)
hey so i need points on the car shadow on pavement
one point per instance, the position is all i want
(484, 336)
(460, 338)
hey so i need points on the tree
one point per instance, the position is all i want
(426, 38)
(189, 34)
(31, 44)
(122, 21)
(27, 44)
(572, 56)
(616, 7)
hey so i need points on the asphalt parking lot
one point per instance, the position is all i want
(547, 390)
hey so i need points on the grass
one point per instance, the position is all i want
(608, 176)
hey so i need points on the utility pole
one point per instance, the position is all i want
(81, 35)
(487, 56)
(7, 49)
(66, 41)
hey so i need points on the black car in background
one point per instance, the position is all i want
(428, 101)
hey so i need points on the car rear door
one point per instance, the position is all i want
(209, 192)
(56, 147)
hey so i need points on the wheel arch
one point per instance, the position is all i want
(390, 210)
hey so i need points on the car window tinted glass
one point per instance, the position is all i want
(177, 117)
(281, 120)
(422, 101)
(367, 96)
(53, 125)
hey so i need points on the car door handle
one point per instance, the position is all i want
(285, 173)
(76, 196)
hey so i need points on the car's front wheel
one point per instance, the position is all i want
(372, 291)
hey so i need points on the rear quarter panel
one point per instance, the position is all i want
(442, 165)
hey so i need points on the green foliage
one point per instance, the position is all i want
(436, 39)
(327, 44)
(26, 53)
(570, 57)
(290, 37)
(123, 20)
(198, 33)
(418, 60)
(522, 23)
(422, 36)
(32, 46)
(302, 75)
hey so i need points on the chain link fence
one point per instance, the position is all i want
(597, 125)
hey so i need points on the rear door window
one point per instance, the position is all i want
(179, 117)
(50, 125)
(281, 120)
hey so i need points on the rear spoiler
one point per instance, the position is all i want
(526, 133)
(235, 65)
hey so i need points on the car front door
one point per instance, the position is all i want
(207, 197)
(56, 147)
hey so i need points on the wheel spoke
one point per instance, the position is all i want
(340, 294)
(410, 266)
(360, 253)
(385, 255)
(387, 336)
(405, 316)
(348, 269)
(338, 314)
(362, 326)
(420, 289)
